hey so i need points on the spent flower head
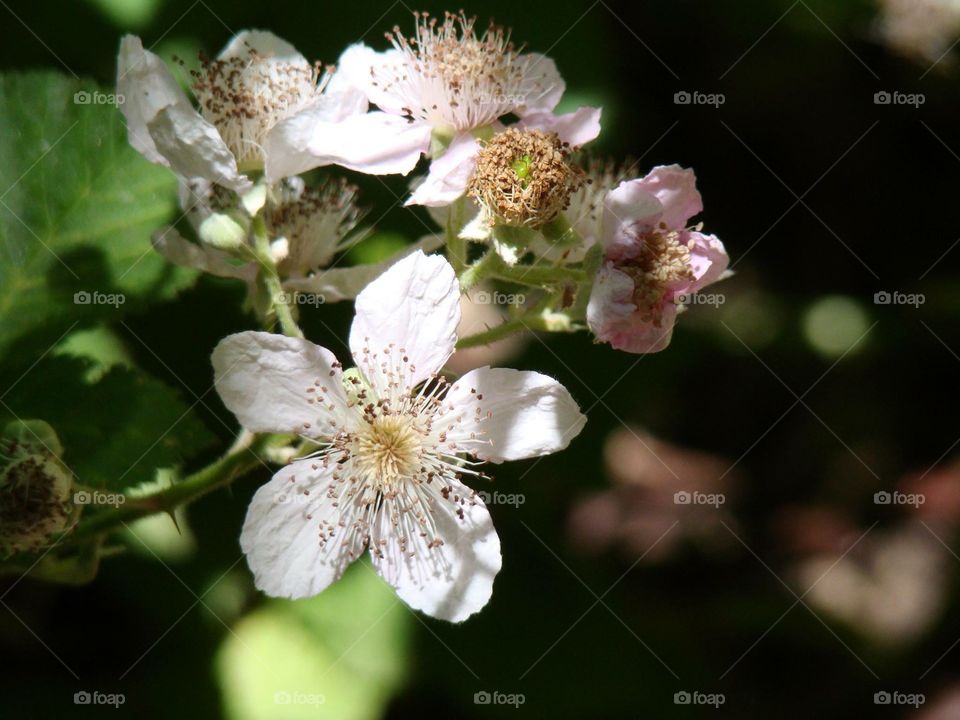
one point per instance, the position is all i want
(524, 178)
(35, 487)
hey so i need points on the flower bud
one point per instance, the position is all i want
(221, 231)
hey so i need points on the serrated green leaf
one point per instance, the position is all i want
(77, 208)
(115, 432)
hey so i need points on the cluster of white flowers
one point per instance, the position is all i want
(392, 440)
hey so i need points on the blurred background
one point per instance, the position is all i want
(760, 521)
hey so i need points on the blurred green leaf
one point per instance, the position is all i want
(77, 207)
(339, 655)
(116, 431)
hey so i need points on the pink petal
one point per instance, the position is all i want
(576, 128)
(449, 174)
(676, 189)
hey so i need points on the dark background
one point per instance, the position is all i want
(799, 113)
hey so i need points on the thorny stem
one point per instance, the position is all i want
(492, 266)
(238, 461)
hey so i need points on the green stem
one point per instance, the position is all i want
(532, 319)
(480, 270)
(492, 266)
(237, 462)
(538, 276)
(271, 280)
(456, 245)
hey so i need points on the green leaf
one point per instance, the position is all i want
(341, 654)
(77, 208)
(116, 431)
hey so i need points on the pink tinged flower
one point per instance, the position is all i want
(446, 81)
(396, 442)
(251, 98)
(652, 260)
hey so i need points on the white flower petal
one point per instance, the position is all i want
(406, 322)
(480, 227)
(449, 174)
(147, 87)
(265, 44)
(336, 284)
(576, 128)
(502, 414)
(625, 206)
(193, 147)
(162, 124)
(451, 581)
(359, 66)
(287, 145)
(375, 143)
(180, 251)
(293, 538)
(268, 382)
(544, 86)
